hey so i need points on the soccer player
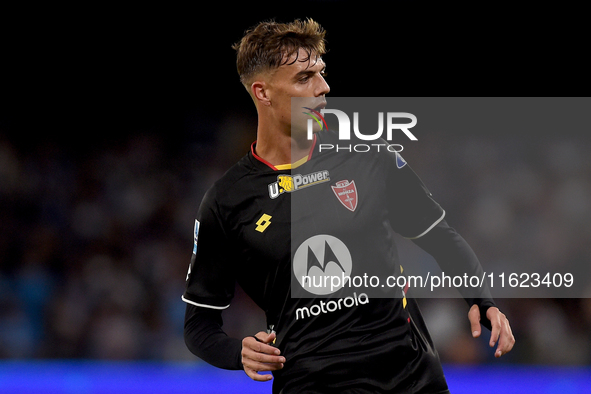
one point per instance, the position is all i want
(285, 203)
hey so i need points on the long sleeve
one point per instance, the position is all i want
(205, 338)
(209, 289)
(456, 257)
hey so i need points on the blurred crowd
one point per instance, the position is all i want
(95, 243)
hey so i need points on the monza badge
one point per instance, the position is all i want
(346, 192)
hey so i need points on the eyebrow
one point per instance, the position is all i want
(309, 71)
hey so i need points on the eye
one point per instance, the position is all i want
(304, 79)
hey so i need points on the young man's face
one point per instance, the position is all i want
(302, 78)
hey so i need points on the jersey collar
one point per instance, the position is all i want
(284, 166)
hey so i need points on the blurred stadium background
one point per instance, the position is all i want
(113, 128)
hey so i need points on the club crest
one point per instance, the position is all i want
(346, 192)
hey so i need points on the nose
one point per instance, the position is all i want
(322, 88)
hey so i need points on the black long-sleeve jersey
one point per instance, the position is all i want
(268, 229)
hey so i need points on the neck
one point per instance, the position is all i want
(278, 146)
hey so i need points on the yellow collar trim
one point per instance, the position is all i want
(291, 166)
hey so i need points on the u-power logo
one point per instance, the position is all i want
(345, 130)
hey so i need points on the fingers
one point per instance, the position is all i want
(474, 317)
(506, 339)
(258, 355)
(501, 332)
(494, 335)
(266, 338)
(261, 345)
(254, 375)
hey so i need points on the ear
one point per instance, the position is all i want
(260, 93)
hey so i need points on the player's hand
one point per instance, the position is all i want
(501, 330)
(260, 356)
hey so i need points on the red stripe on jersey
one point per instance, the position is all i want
(260, 158)
(271, 165)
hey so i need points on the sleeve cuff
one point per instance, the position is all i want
(202, 305)
(430, 227)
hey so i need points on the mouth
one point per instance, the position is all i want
(317, 108)
(320, 106)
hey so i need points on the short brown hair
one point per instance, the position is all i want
(269, 45)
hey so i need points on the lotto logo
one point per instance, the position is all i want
(263, 223)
